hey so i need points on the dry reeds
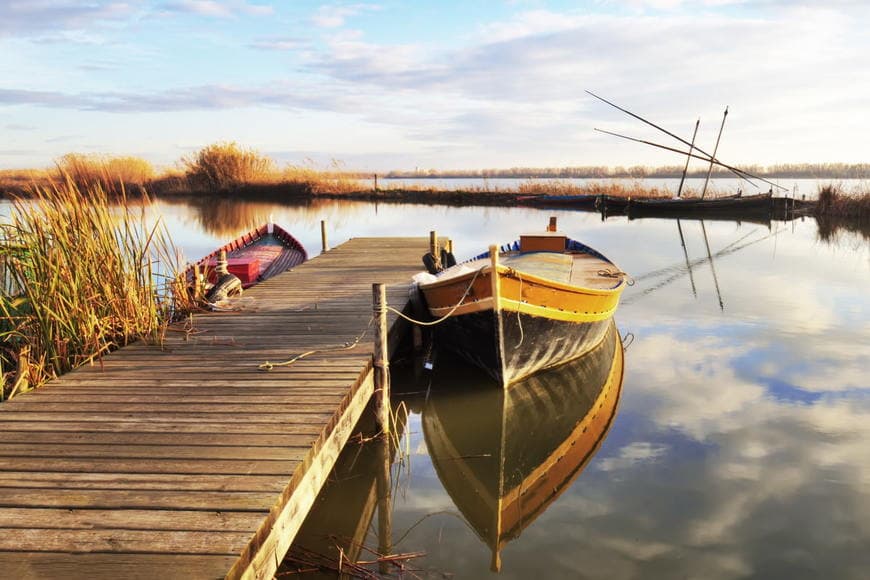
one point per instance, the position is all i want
(613, 189)
(836, 210)
(111, 174)
(224, 166)
(82, 276)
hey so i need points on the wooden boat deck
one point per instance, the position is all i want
(190, 461)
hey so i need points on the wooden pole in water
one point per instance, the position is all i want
(385, 504)
(713, 156)
(323, 239)
(381, 357)
(434, 249)
(688, 158)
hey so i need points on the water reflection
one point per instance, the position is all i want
(504, 456)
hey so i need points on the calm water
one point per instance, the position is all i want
(739, 445)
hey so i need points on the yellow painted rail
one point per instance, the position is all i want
(188, 461)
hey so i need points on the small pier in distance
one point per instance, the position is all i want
(189, 461)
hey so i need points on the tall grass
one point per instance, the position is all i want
(223, 166)
(111, 174)
(84, 273)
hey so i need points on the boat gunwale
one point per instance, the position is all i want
(524, 277)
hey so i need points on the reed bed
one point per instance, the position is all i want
(111, 174)
(84, 273)
(837, 210)
(614, 189)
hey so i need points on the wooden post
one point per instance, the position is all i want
(552, 226)
(493, 257)
(376, 181)
(323, 238)
(381, 357)
(434, 249)
(449, 245)
(385, 503)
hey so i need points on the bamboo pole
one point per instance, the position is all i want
(715, 149)
(381, 357)
(688, 158)
(323, 239)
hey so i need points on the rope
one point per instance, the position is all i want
(617, 274)
(268, 366)
(446, 316)
(519, 319)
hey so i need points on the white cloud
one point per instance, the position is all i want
(335, 15)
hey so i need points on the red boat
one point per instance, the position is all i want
(257, 255)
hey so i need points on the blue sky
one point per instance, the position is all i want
(394, 85)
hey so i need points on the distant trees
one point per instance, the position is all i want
(792, 170)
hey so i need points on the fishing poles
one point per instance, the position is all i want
(703, 154)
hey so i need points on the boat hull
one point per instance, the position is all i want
(532, 324)
(511, 346)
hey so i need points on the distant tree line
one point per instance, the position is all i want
(785, 170)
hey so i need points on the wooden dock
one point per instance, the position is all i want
(189, 461)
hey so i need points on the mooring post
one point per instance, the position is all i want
(323, 239)
(551, 227)
(376, 181)
(381, 357)
(449, 245)
(385, 503)
(434, 249)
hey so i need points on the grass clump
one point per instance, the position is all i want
(224, 166)
(81, 276)
(111, 174)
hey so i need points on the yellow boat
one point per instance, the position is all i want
(535, 304)
(505, 455)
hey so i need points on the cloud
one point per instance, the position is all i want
(29, 17)
(280, 43)
(18, 127)
(335, 15)
(201, 97)
(217, 8)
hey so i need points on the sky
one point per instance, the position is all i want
(467, 84)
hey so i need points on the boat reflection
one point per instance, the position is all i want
(505, 455)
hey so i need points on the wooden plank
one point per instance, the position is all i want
(210, 542)
(128, 519)
(158, 452)
(138, 499)
(140, 481)
(191, 466)
(72, 566)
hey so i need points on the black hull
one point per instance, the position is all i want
(518, 345)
